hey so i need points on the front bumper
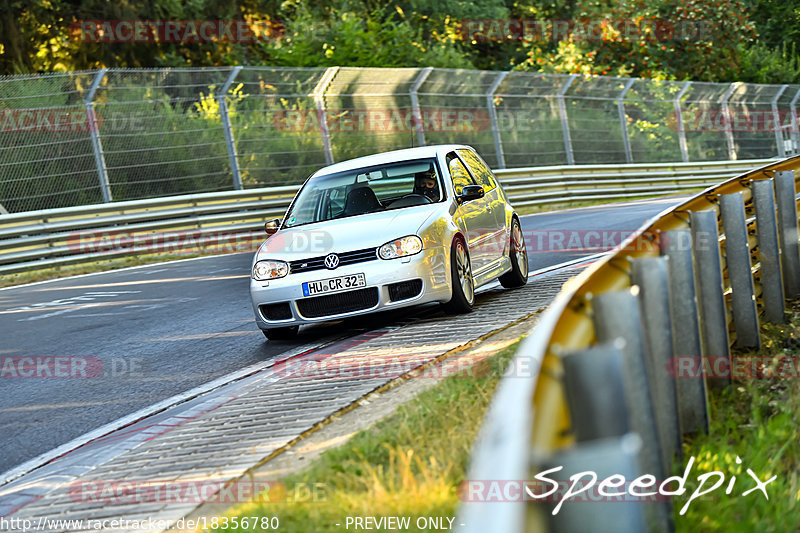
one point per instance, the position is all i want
(431, 266)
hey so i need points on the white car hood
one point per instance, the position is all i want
(345, 235)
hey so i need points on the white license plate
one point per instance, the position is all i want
(342, 283)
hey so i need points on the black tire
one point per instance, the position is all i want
(463, 285)
(281, 334)
(518, 275)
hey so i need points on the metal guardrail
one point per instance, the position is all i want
(73, 235)
(570, 183)
(599, 395)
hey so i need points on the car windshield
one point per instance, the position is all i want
(366, 190)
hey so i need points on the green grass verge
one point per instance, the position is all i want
(409, 464)
(757, 420)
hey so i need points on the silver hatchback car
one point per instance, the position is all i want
(384, 231)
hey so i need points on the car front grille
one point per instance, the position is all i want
(345, 258)
(405, 290)
(335, 304)
(276, 311)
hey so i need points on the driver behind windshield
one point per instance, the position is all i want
(425, 184)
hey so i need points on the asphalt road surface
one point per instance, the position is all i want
(143, 335)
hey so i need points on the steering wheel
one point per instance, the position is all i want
(417, 195)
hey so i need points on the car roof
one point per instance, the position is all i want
(388, 157)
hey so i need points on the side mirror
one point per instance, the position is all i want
(272, 226)
(470, 192)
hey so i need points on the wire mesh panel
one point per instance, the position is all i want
(652, 121)
(275, 125)
(787, 113)
(594, 121)
(529, 119)
(46, 157)
(751, 120)
(162, 132)
(369, 111)
(704, 115)
(455, 109)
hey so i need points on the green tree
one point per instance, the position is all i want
(774, 58)
(45, 36)
(707, 40)
(666, 39)
(380, 38)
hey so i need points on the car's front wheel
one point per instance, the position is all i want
(281, 334)
(518, 275)
(461, 275)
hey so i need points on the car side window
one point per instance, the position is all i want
(458, 173)
(479, 169)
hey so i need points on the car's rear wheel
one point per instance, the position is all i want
(518, 275)
(461, 275)
(281, 334)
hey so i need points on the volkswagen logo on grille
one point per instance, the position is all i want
(331, 261)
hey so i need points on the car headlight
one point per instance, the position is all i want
(402, 247)
(264, 270)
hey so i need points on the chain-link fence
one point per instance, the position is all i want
(88, 137)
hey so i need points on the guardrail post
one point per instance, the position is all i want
(94, 132)
(562, 112)
(729, 130)
(776, 117)
(228, 130)
(687, 344)
(679, 122)
(787, 230)
(650, 275)
(412, 93)
(769, 252)
(616, 315)
(596, 412)
(322, 117)
(737, 260)
(498, 141)
(623, 120)
(607, 457)
(710, 289)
